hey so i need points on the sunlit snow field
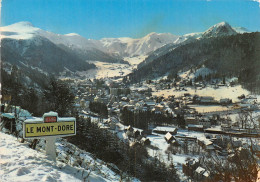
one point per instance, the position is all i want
(218, 93)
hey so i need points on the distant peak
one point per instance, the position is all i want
(152, 33)
(24, 23)
(220, 29)
(223, 23)
(72, 34)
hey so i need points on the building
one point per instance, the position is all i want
(205, 122)
(201, 174)
(190, 166)
(169, 138)
(164, 130)
(225, 101)
(192, 127)
(207, 100)
(145, 141)
(191, 120)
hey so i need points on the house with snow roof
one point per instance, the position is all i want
(165, 129)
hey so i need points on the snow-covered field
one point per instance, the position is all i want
(218, 93)
(105, 69)
(134, 61)
(210, 108)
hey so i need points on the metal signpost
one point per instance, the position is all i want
(50, 127)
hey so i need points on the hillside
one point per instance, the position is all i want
(236, 55)
(41, 53)
(218, 30)
(21, 163)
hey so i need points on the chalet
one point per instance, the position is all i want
(164, 130)
(145, 141)
(189, 138)
(129, 107)
(129, 134)
(205, 122)
(111, 123)
(130, 128)
(82, 103)
(206, 144)
(136, 133)
(169, 138)
(158, 108)
(97, 99)
(201, 174)
(192, 127)
(93, 90)
(225, 101)
(191, 120)
(207, 100)
(214, 130)
(190, 166)
(150, 103)
(134, 144)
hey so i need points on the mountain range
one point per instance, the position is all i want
(31, 47)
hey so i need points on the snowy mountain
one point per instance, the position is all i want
(220, 29)
(86, 49)
(128, 47)
(100, 50)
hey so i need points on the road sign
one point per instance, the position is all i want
(32, 130)
(50, 126)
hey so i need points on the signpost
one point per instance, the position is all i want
(50, 126)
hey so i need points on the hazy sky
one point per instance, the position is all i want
(96, 19)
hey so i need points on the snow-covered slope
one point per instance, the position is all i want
(187, 37)
(20, 163)
(220, 29)
(133, 47)
(21, 30)
(241, 30)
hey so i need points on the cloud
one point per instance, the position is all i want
(257, 1)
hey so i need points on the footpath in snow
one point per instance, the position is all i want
(18, 162)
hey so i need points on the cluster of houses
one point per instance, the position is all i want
(211, 142)
(193, 169)
(136, 136)
(138, 98)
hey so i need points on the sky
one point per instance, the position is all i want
(96, 19)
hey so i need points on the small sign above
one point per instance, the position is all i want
(50, 119)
